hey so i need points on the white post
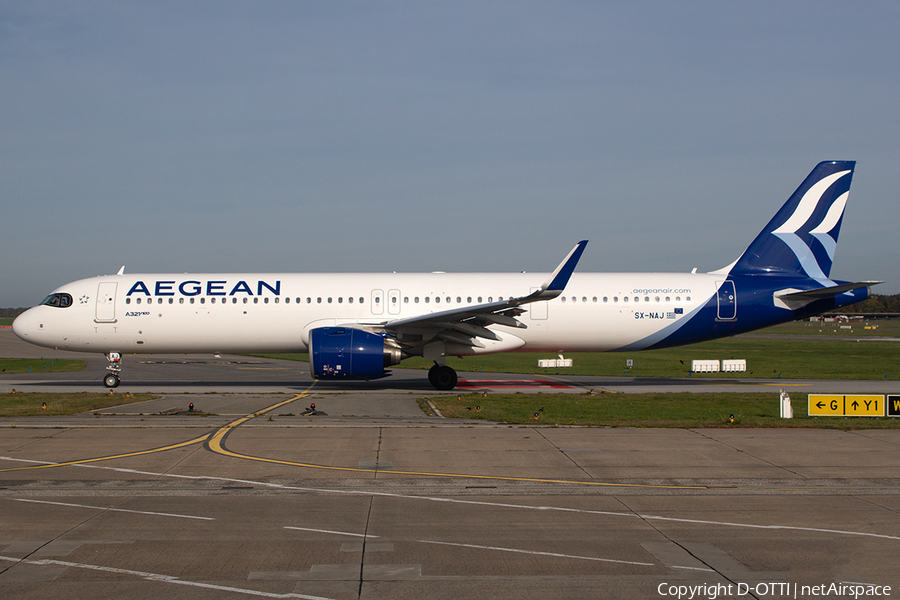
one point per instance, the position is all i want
(786, 411)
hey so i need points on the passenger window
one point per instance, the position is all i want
(427, 299)
(416, 300)
(181, 301)
(563, 298)
(266, 300)
(192, 299)
(137, 301)
(437, 299)
(469, 299)
(256, 301)
(340, 299)
(319, 300)
(202, 300)
(127, 301)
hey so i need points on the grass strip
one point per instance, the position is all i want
(42, 365)
(676, 410)
(31, 404)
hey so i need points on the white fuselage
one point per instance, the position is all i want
(274, 312)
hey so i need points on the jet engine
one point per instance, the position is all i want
(347, 353)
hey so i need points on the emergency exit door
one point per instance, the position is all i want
(106, 302)
(727, 300)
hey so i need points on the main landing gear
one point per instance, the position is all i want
(114, 367)
(442, 377)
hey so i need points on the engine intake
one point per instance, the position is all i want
(346, 353)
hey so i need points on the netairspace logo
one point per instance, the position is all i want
(773, 590)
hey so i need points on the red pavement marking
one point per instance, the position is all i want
(510, 383)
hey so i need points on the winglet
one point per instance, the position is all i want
(557, 281)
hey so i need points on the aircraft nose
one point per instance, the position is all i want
(23, 324)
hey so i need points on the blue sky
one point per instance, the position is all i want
(422, 136)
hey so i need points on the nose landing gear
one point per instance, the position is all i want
(114, 367)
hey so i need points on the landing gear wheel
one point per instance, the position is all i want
(442, 377)
(111, 380)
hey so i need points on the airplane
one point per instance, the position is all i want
(357, 325)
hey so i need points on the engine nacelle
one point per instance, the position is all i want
(346, 353)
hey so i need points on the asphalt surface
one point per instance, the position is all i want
(376, 499)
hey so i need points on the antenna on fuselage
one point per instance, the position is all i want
(121, 270)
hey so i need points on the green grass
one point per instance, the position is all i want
(6, 321)
(857, 328)
(44, 365)
(678, 410)
(29, 405)
(766, 358)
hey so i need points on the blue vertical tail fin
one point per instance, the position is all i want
(800, 239)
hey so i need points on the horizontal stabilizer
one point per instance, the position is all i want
(793, 299)
(827, 292)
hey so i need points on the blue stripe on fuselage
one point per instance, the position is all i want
(755, 309)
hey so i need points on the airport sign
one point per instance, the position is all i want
(851, 405)
(893, 406)
(826, 405)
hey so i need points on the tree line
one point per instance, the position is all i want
(877, 303)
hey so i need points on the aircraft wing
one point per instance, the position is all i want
(466, 325)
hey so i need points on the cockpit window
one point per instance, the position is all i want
(58, 300)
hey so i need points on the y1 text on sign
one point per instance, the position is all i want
(864, 406)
